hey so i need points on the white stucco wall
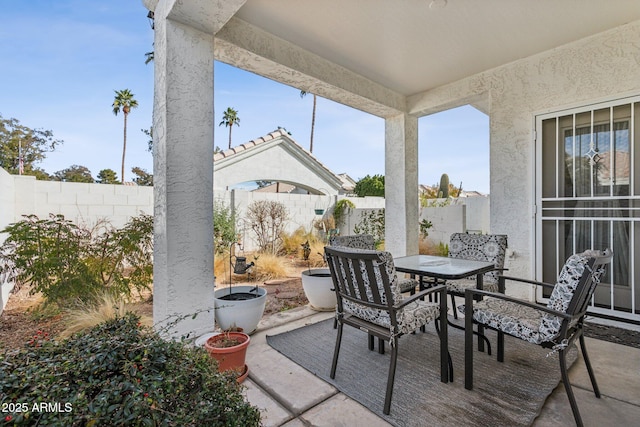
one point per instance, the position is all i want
(84, 204)
(7, 200)
(461, 215)
(601, 67)
(300, 208)
(445, 220)
(81, 203)
(7, 204)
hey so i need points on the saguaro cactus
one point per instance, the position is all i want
(443, 190)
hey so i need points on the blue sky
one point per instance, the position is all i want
(62, 61)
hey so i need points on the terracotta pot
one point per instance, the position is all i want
(229, 358)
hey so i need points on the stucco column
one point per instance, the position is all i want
(183, 176)
(401, 185)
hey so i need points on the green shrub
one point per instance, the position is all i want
(49, 254)
(125, 256)
(443, 249)
(370, 186)
(224, 226)
(68, 263)
(119, 374)
(341, 208)
(372, 222)
(425, 225)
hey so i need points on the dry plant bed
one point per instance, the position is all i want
(19, 322)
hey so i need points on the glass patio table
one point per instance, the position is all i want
(444, 268)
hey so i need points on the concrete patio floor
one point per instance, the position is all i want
(288, 395)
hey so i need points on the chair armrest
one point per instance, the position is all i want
(469, 293)
(531, 282)
(440, 288)
(502, 279)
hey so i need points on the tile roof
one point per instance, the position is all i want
(247, 145)
(271, 136)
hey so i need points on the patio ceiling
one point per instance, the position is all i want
(409, 47)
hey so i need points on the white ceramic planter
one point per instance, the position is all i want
(317, 285)
(243, 314)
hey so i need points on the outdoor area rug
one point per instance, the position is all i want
(504, 394)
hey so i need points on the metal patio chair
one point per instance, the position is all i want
(366, 241)
(369, 299)
(477, 247)
(556, 326)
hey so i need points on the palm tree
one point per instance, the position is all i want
(124, 101)
(229, 119)
(313, 117)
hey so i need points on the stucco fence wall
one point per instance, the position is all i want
(84, 204)
(459, 215)
(87, 204)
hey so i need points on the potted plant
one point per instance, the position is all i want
(229, 348)
(239, 306)
(318, 288)
(318, 285)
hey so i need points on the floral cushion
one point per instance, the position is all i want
(407, 284)
(478, 247)
(564, 289)
(459, 286)
(416, 314)
(356, 241)
(528, 323)
(366, 241)
(509, 317)
(409, 318)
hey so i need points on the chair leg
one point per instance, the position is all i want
(444, 347)
(371, 342)
(592, 376)
(480, 337)
(334, 363)
(500, 347)
(468, 342)
(453, 305)
(380, 346)
(562, 355)
(391, 377)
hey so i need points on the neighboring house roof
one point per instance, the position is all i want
(278, 187)
(274, 157)
(348, 183)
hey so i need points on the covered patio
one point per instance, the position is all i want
(400, 61)
(308, 400)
